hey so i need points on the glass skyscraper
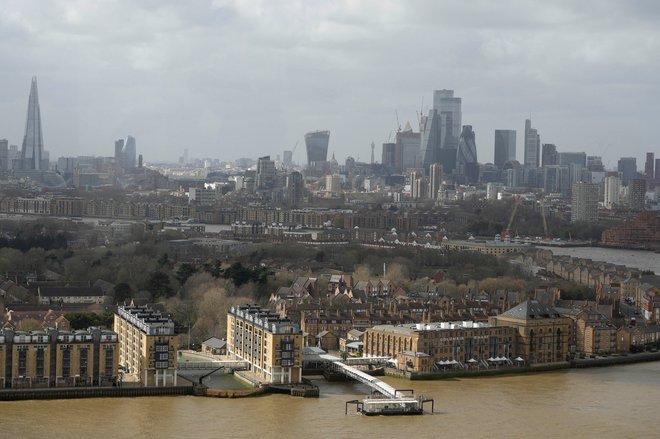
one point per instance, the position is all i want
(505, 147)
(316, 144)
(532, 146)
(32, 152)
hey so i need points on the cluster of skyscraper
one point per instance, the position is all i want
(444, 149)
(442, 139)
(32, 160)
(443, 146)
(32, 156)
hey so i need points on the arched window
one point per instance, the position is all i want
(531, 341)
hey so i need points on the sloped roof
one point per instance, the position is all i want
(355, 333)
(531, 309)
(70, 291)
(215, 343)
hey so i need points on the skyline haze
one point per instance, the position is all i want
(225, 79)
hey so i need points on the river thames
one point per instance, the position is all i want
(643, 260)
(612, 402)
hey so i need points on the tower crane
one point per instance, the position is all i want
(506, 233)
(546, 232)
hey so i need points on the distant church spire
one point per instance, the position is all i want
(33, 142)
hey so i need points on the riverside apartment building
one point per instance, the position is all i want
(147, 345)
(271, 344)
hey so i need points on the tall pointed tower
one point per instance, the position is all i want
(33, 142)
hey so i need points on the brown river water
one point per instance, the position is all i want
(613, 402)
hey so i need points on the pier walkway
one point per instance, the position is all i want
(373, 382)
(347, 367)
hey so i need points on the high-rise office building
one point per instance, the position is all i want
(431, 133)
(294, 189)
(584, 205)
(130, 154)
(449, 110)
(595, 164)
(549, 155)
(5, 164)
(119, 148)
(125, 153)
(648, 165)
(637, 194)
(440, 130)
(572, 158)
(627, 166)
(32, 152)
(265, 178)
(611, 195)
(466, 155)
(389, 155)
(408, 153)
(556, 179)
(418, 184)
(657, 170)
(287, 158)
(532, 146)
(649, 170)
(505, 147)
(316, 144)
(435, 180)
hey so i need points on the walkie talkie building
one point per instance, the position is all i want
(316, 143)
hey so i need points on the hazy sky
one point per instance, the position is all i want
(232, 78)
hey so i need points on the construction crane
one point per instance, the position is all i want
(398, 124)
(293, 151)
(506, 233)
(546, 232)
(420, 114)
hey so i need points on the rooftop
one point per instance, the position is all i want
(531, 309)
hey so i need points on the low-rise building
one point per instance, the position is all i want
(456, 342)
(592, 332)
(542, 334)
(54, 295)
(485, 247)
(147, 345)
(272, 345)
(214, 346)
(637, 338)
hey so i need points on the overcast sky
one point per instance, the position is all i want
(236, 78)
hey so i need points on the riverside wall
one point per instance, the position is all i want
(92, 392)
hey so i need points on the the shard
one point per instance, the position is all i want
(33, 141)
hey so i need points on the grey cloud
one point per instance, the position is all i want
(229, 78)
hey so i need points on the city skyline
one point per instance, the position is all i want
(349, 68)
